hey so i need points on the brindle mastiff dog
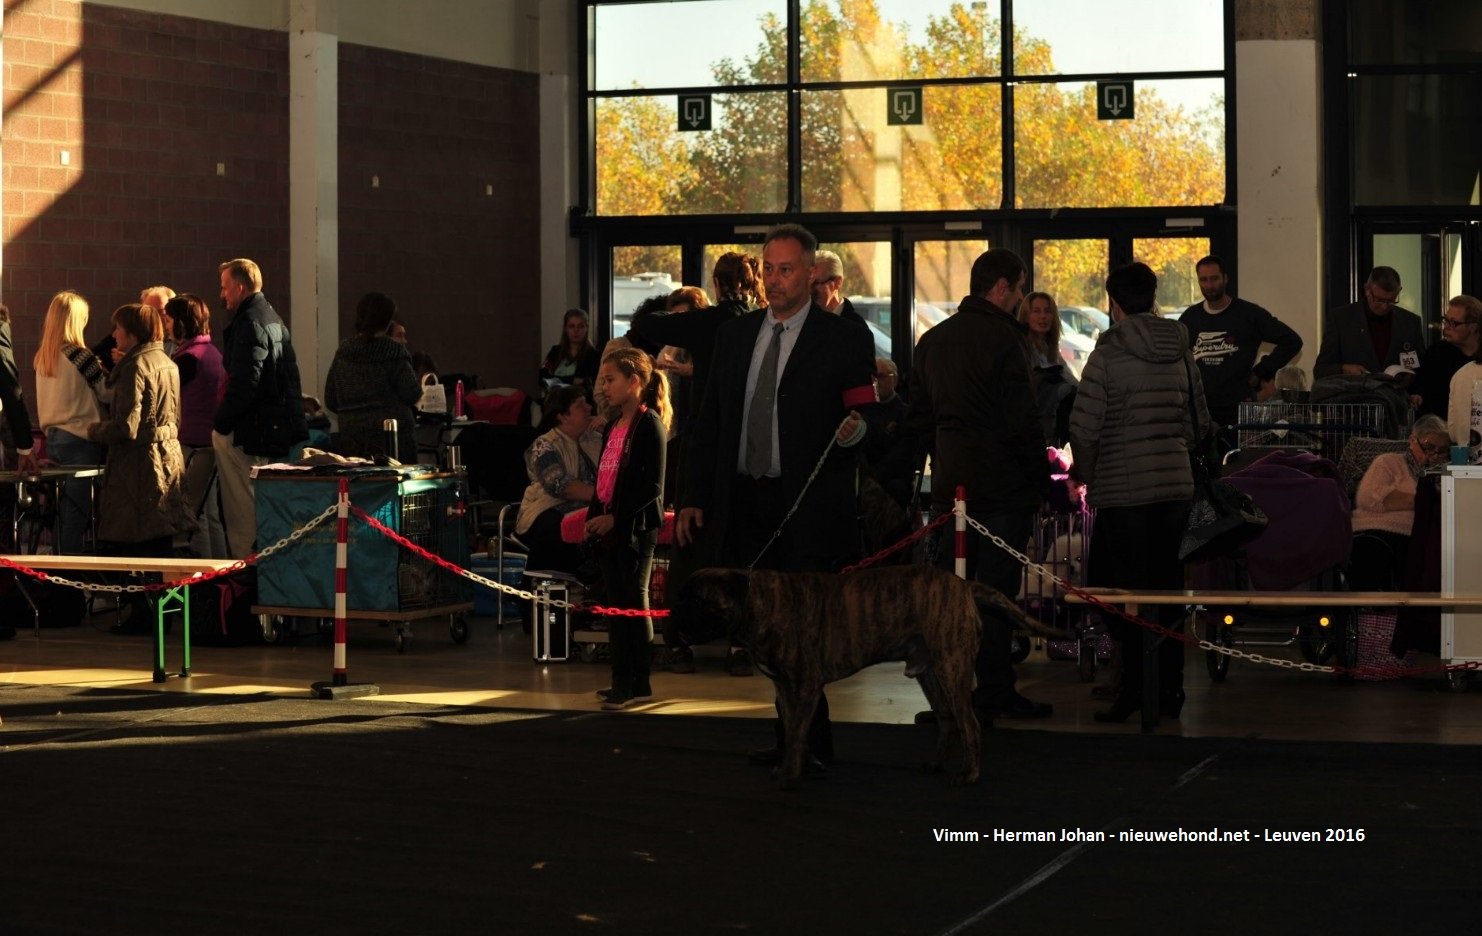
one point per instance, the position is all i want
(805, 630)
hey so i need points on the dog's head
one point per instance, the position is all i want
(712, 604)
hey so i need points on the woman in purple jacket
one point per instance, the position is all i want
(202, 375)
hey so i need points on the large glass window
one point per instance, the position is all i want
(854, 55)
(1417, 139)
(1073, 271)
(637, 274)
(1386, 32)
(1173, 259)
(660, 45)
(646, 166)
(1075, 37)
(1173, 153)
(943, 275)
(854, 161)
(894, 39)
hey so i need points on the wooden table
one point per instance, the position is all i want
(175, 598)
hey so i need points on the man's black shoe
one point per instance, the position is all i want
(7, 632)
(771, 757)
(928, 717)
(1016, 706)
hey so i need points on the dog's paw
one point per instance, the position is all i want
(931, 767)
(964, 778)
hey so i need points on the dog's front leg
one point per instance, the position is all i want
(796, 707)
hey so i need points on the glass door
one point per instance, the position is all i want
(1073, 271)
(1435, 260)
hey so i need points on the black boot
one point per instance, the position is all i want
(1121, 707)
(1170, 703)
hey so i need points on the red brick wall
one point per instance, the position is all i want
(147, 105)
(463, 266)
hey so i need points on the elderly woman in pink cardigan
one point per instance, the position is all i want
(1384, 507)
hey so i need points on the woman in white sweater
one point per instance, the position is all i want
(69, 396)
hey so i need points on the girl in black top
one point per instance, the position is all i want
(626, 512)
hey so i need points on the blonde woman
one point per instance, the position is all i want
(1054, 384)
(70, 394)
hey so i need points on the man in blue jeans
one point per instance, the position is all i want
(972, 406)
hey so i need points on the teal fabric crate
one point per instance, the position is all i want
(381, 575)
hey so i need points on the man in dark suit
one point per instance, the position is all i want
(785, 382)
(1371, 334)
(12, 400)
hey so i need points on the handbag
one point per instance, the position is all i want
(1221, 518)
(434, 398)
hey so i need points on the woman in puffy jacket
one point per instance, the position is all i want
(1132, 432)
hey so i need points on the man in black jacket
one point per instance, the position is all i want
(1226, 334)
(12, 399)
(261, 414)
(972, 407)
(785, 380)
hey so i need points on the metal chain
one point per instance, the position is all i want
(194, 579)
(1206, 645)
(472, 576)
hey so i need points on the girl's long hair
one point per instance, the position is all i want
(66, 318)
(632, 362)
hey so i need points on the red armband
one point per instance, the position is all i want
(859, 396)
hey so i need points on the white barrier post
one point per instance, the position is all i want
(339, 685)
(959, 505)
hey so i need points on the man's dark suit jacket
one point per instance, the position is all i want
(828, 373)
(12, 401)
(1345, 340)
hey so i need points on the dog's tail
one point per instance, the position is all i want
(988, 597)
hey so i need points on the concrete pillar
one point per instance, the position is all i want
(560, 109)
(1278, 162)
(313, 186)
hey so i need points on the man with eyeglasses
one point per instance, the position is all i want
(1431, 391)
(1372, 334)
(1462, 323)
(827, 287)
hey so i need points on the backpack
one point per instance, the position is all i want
(221, 611)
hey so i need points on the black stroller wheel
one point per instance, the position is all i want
(1318, 643)
(1019, 648)
(1221, 635)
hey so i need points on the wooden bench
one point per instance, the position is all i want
(1130, 601)
(177, 598)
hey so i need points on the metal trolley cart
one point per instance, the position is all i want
(1321, 428)
(386, 583)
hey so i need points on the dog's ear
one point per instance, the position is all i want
(738, 588)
